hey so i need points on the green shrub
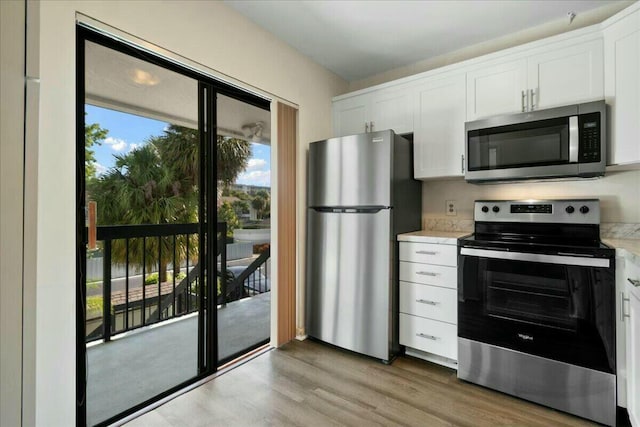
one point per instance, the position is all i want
(151, 279)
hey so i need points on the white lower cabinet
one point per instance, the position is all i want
(633, 343)
(628, 333)
(430, 336)
(428, 301)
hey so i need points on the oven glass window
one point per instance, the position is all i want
(529, 144)
(525, 292)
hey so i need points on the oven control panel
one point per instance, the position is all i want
(575, 211)
(544, 208)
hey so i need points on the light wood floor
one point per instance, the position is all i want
(312, 384)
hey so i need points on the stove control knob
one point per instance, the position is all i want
(485, 209)
(584, 209)
(570, 209)
(496, 209)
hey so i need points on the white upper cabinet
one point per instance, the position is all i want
(438, 138)
(622, 88)
(351, 115)
(569, 75)
(589, 64)
(390, 108)
(556, 76)
(497, 89)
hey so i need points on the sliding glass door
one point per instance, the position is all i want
(152, 273)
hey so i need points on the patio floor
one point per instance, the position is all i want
(131, 369)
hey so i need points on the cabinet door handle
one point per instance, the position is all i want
(522, 101)
(426, 301)
(622, 301)
(371, 126)
(634, 282)
(533, 104)
(462, 166)
(426, 273)
(366, 127)
(426, 252)
(427, 336)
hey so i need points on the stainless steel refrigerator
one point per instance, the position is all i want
(361, 194)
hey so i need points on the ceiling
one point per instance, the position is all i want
(127, 84)
(358, 39)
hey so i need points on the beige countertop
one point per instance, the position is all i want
(631, 246)
(433, 236)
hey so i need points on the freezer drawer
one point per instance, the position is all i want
(348, 291)
(351, 171)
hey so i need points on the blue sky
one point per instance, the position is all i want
(128, 131)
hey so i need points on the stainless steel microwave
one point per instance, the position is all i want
(554, 143)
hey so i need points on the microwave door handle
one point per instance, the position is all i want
(574, 139)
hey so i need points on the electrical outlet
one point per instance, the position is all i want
(450, 208)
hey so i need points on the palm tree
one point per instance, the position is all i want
(232, 157)
(157, 183)
(139, 189)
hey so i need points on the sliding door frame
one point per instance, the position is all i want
(208, 88)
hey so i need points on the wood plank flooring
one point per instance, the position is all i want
(312, 384)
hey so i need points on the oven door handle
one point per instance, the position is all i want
(531, 257)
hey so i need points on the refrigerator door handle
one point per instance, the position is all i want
(355, 209)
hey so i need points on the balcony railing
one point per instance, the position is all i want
(169, 247)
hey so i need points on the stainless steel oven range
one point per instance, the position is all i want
(536, 308)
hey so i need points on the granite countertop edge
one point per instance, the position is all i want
(630, 246)
(433, 236)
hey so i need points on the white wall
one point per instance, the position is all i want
(206, 32)
(619, 193)
(526, 35)
(12, 27)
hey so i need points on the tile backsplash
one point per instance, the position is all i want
(448, 224)
(618, 192)
(619, 230)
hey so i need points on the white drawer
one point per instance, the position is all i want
(429, 274)
(429, 301)
(429, 335)
(430, 253)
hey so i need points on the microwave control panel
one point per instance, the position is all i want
(589, 137)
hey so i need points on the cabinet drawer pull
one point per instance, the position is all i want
(429, 337)
(426, 273)
(426, 301)
(634, 282)
(431, 253)
(622, 301)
